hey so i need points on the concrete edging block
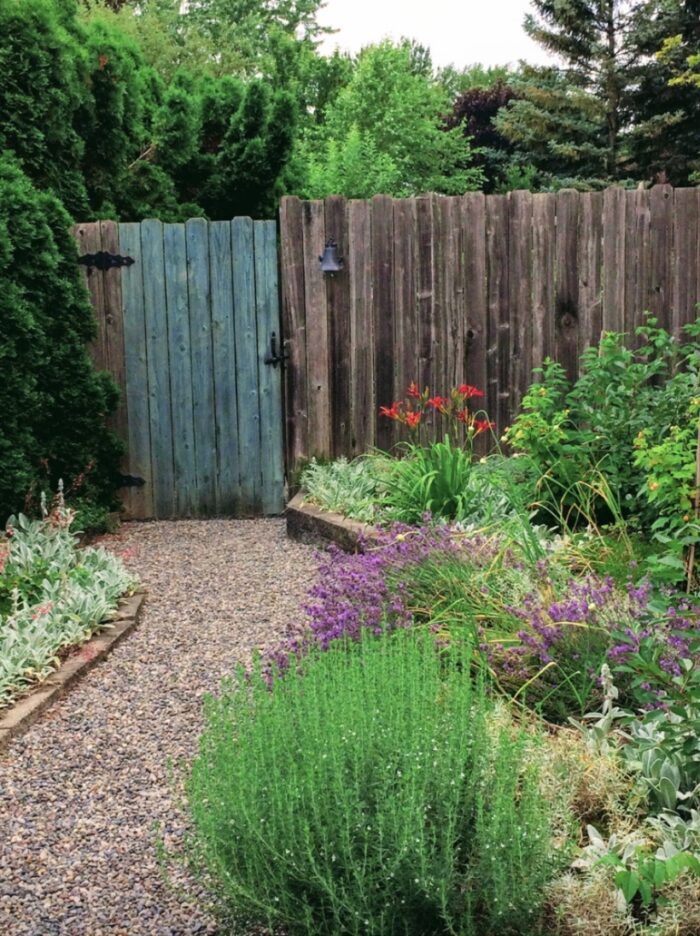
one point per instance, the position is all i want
(307, 523)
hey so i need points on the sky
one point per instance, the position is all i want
(458, 32)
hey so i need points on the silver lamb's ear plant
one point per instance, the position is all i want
(44, 508)
(599, 734)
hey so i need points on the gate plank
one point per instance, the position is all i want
(184, 465)
(89, 241)
(268, 318)
(140, 500)
(197, 240)
(247, 364)
(228, 482)
(114, 325)
(158, 367)
(294, 330)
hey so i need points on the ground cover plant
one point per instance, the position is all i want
(373, 789)
(53, 596)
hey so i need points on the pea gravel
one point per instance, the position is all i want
(81, 791)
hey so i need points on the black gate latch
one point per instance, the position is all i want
(273, 357)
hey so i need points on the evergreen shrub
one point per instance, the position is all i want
(53, 403)
(372, 789)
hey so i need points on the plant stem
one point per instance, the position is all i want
(696, 511)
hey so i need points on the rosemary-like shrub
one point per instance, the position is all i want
(370, 790)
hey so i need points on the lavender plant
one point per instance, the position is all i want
(371, 791)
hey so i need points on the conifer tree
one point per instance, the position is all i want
(664, 141)
(573, 116)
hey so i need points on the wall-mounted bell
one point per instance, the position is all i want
(330, 261)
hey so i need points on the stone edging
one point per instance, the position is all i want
(307, 523)
(25, 712)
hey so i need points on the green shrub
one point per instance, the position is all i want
(581, 438)
(53, 402)
(373, 789)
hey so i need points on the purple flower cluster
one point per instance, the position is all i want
(368, 590)
(671, 638)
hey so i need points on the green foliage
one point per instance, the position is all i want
(583, 439)
(556, 127)
(665, 139)
(53, 402)
(389, 111)
(671, 489)
(42, 96)
(370, 791)
(432, 479)
(52, 596)
(351, 165)
(345, 487)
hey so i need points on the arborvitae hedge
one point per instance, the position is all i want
(52, 402)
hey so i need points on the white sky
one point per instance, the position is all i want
(458, 32)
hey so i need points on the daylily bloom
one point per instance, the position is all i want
(466, 390)
(413, 391)
(412, 420)
(438, 403)
(391, 412)
(483, 425)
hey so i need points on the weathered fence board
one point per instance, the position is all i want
(185, 330)
(478, 289)
(269, 378)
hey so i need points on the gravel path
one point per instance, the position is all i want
(81, 791)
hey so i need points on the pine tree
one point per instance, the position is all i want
(572, 118)
(664, 141)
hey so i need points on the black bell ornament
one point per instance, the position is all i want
(330, 261)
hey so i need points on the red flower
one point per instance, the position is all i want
(466, 390)
(483, 425)
(412, 420)
(413, 391)
(438, 403)
(463, 416)
(391, 412)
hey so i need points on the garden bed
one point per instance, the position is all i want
(77, 662)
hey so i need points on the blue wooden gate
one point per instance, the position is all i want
(185, 329)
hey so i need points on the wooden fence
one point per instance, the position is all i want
(476, 289)
(185, 328)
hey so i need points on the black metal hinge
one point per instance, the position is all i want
(273, 357)
(131, 481)
(103, 260)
